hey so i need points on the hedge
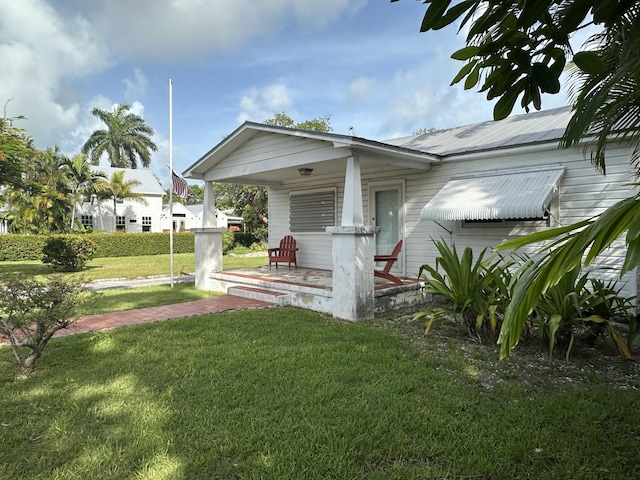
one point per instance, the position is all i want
(29, 247)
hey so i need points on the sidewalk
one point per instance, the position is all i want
(106, 321)
(217, 304)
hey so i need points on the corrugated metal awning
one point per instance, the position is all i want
(503, 194)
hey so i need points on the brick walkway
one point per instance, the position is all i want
(105, 321)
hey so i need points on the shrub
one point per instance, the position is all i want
(228, 241)
(16, 248)
(476, 291)
(31, 312)
(246, 239)
(68, 252)
(580, 306)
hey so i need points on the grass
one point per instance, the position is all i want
(133, 267)
(120, 299)
(128, 267)
(287, 393)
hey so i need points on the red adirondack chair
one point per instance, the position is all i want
(390, 260)
(285, 253)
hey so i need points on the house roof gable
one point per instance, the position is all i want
(334, 146)
(149, 184)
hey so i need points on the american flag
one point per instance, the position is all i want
(179, 185)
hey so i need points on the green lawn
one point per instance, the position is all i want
(119, 299)
(287, 393)
(129, 267)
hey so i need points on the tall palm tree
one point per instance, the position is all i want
(117, 188)
(126, 139)
(83, 180)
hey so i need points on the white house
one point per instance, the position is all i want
(187, 217)
(346, 198)
(130, 215)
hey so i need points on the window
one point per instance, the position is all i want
(312, 212)
(146, 224)
(87, 221)
(120, 223)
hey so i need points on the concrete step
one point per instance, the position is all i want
(273, 296)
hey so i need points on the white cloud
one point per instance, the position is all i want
(136, 86)
(263, 103)
(362, 88)
(170, 29)
(40, 52)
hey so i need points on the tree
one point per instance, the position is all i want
(42, 204)
(32, 311)
(16, 148)
(250, 201)
(83, 180)
(320, 124)
(518, 49)
(196, 196)
(117, 188)
(126, 139)
(420, 131)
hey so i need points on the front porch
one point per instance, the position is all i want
(309, 288)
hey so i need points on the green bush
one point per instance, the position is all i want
(31, 312)
(228, 241)
(16, 248)
(475, 291)
(68, 252)
(246, 239)
(120, 244)
(582, 307)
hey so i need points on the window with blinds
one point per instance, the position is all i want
(312, 212)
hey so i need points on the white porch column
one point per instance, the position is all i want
(209, 216)
(353, 248)
(208, 241)
(352, 213)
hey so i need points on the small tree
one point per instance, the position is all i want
(31, 312)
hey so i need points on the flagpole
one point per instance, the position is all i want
(171, 179)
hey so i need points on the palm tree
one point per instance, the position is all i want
(126, 140)
(117, 188)
(83, 180)
(607, 105)
(42, 203)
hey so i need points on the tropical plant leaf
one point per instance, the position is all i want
(590, 62)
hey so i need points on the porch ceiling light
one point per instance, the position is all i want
(305, 171)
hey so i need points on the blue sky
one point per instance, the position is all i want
(362, 62)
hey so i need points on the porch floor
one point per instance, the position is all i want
(308, 288)
(303, 277)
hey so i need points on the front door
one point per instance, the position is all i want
(387, 214)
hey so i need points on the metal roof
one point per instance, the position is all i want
(502, 194)
(519, 130)
(149, 184)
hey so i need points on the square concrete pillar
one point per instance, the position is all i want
(208, 254)
(353, 283)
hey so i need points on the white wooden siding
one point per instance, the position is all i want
(268, 151)
(583, 193)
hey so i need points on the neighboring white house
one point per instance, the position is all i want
(187, 217)
(346, 198)
(131, 215)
